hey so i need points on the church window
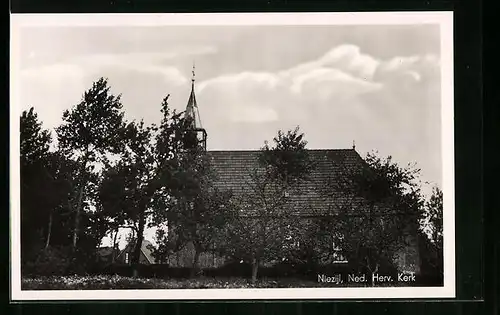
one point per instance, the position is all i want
(338, 255)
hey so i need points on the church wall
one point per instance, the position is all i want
(406, 260)
(185, 257)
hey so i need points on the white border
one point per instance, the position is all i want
(444, 19)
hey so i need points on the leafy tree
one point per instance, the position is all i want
(433, 217)
(61, 172)
(128, 186)
(288, 159)
(46, 186)
(197, 213)
(192, 208)
(165, 244)
(261, 228)
(379, 214)
(431, 236)
(34, 177)
(35, 141)
(153, 166)
(90, 131)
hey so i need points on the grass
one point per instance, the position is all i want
(102, 282)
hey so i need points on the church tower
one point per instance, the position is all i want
(194, 115)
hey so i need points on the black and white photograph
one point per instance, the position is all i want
(232, 156)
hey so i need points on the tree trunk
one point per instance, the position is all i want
(194, 266)
(255, 269)
(113, 254)
(373, 272)
(49, 231)
(76, 229)
(138, 245)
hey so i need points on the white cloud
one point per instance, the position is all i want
(153, 63)
(333, 82)
(349, 58)
(54, 73)
(343, 73)
(52, 88)
(345, 58)
(417, 67)
(244, 97)
(264, 79)
(253, 114)
(415, 75)
(93, 64)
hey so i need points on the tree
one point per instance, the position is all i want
(260, 229)
(197, 212)
(433, 217)
(34, 141)
(431, 235)
(90, 130)
(35, 178)
(46, 187)
(288, 160)
(61, 172)
(192, 208)
(380, 211)
(128, 187)
(152, 169)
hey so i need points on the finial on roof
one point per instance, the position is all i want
(353, 144)
(192, 79)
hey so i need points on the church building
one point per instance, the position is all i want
(231, 168)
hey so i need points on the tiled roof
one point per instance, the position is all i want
(105, 251)
(313, 196)
(145, 248)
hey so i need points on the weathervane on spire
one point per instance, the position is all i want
(192, 79)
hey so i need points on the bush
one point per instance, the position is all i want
(431, 262)
(231, 269)
(145, 271)
(49, 261)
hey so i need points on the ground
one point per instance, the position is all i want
(119, 282)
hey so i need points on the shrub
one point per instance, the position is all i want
(431, 264)
(231, 269)
(49, 261)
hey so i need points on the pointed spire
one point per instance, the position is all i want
(193, 113)
(191, 105)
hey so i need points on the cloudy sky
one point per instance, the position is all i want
(376, 85)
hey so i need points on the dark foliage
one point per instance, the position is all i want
(260, 231)
(288, 158)
(47, 262)
(382, 215)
